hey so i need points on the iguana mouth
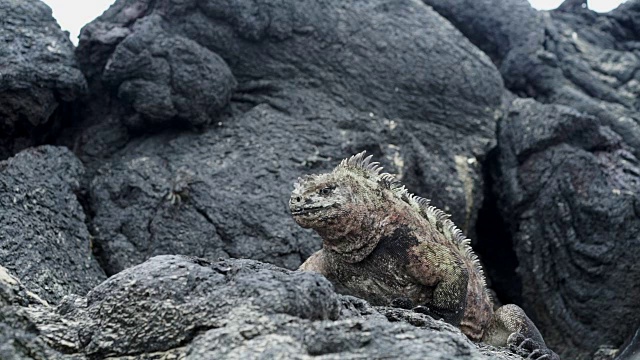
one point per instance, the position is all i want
(307, 210)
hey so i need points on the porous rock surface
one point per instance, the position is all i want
(38, 75)
(567, 178)
(569, 192)
(571, 56)
(305, 98)
(185, 307)
(43, 236)
(19, 337)
(201, 114)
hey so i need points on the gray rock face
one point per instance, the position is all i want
(176, 306)
(164, 78)
(567, 182)
(570, 56)
(43, 237)
(193, 295)
(38, 75)
(305, 99)
(19, 336)
(201, 115)
(283, 337)
(218, 195)
(570, 193)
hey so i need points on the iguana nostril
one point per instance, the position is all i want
(298, 199)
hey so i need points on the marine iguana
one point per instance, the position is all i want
(391, 248)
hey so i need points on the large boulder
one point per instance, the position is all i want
(171, 299)
(567, 180)
(183, 307)
(571, 56)
(43, 236)
(162, 78)
(220, 193)
(38, 78)
(316, 82)
(568, 188)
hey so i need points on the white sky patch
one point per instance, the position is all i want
(595, 5)
(72, 15)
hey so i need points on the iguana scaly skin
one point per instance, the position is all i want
(390, 247)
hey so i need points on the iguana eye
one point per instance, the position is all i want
(325, 191)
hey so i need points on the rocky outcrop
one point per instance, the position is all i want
(305, 99)
(38, 76)
(43, 236)
(175, 306)
(567, 179)
(570, 56)
(162, 78)
(200, 115)
(569, 192)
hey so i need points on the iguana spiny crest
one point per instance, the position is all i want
(341, 200)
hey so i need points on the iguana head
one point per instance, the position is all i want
(319, 201)
(342, 204)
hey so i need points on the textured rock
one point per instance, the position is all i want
(164, 78)
(201, 115)
(38, 76)
(19, 337)
(170, 299)
(43, 237)
(285, 337)
(568, 177)
(571, 56)
(569, 190)
(176, 306)
(305, 99)
(631, 348)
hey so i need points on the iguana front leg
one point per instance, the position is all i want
(437, 266)
(315, 263)
(510, 327)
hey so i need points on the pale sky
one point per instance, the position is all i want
(595, 5)
(74, 14)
